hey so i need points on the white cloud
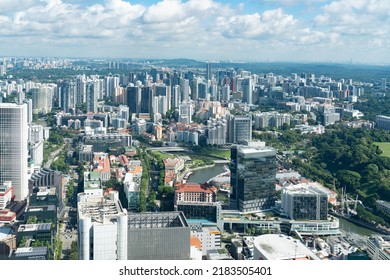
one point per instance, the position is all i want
(194, 28)
(292, 2)
(356, 17)
(256, 26)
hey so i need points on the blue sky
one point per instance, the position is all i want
(255, 30)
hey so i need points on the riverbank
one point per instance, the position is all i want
(187, 170)
(362, 224)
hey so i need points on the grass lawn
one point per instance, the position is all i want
(385, 147)
(163, 156)
(219, 153)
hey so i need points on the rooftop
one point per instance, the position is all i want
(30, 252)
(281, 247)
(99, 209)
(34, 227)
(5, 232)
(194, 241)
(305, 188)
(157, 220)
(193, 187)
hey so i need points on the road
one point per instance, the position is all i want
(53, 155)
(67, 234)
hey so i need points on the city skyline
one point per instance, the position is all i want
(262, 30)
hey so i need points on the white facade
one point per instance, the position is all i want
(6, 193)
(42, 99)
(13, 147)
(210, 238)
(132, 190)
(102, 222)
(185, 112)
(378, 248)
(36, 153)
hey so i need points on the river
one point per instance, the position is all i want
(350, 227)
(203, 175)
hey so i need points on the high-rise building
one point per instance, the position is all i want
(271, 119)
(146, 100)
(13, 147)
(176, 98)
(216, 131)
(194, 89)
(253, 173)
(110, 83)
(163, 90)
(81, 89)
(202, 90)
(185, 89)
(102, 228)
(93, 90)
(68, 95)
(208, 72)
(185, 112)
(134, 98)
(225, 96)
(247, 90)
(239, 129)
(41, 99)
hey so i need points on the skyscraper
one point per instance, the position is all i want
(13, 147)
(253, 171)
(146, 100)
(134, 98)
(176, 99)
(247, 90)
(185, 89)
(42, 99)
(239, 129)
(68, 95)
(208, 71)
(93, 89)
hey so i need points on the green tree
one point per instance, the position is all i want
(349, 179)
(73, 251)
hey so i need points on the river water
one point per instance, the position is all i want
(203, 175)
(350, 227)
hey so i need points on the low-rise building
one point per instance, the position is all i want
(280, 247)
(383, 206)
(210, 237)
(93, 184)
(101, 164)
(193, 192)
(305, 202)
(6, 194)
(132, 190)
(378, 247)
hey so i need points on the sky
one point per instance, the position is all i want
(247, 30)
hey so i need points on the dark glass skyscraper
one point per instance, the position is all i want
(253, 171)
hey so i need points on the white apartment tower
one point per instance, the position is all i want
(13, 147)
